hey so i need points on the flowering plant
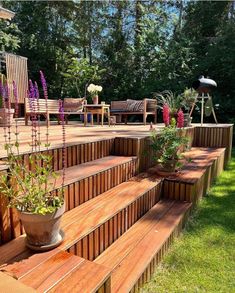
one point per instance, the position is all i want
(28, 187)
(168, 143)
(94, 89)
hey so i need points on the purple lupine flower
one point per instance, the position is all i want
(31, 90)
(44, 85)
(15, 94)
(36, 91)
(62, 120)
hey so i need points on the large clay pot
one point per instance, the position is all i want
(42, 231)
(95, 100)
(169, 166)
(6, 116)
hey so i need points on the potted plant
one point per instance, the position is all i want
(173, 101)
(167, 147)
(94, 90)
(29, 188)
(6, 113)
(189, 97)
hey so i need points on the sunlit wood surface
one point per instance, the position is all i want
(75, 133)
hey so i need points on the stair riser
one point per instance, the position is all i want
(75, 194)
(75, 154)
(214, 137)
(194, 192)
(152, 266)
(141, 147)
(81, 191)
(92, 245)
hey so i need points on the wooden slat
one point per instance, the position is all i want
(130, 269)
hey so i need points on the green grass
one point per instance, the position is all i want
(203, 258)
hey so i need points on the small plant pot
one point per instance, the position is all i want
(42, 231)
(169, 166)
(88, 118)
(6, 116)
(187, 120)
(95, 100)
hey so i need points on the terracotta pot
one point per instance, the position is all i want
(169, 166)
(42, 230)
(6, 116)
(95, 100)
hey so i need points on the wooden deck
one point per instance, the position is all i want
(119, 220)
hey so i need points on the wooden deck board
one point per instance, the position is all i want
(85, 170)
(119, 249)
(86, 218)
(200, 159)
(132, 266)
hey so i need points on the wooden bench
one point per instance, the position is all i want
(46, 108)
(119, 108)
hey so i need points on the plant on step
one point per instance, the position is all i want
(168, 145)
(28, 185)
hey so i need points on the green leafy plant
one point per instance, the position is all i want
(168, 144)
(189, 97)
(80, 73)
(169, 98)
(29, 189)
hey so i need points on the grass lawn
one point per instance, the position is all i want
(203, 258)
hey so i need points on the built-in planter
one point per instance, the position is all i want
(42, 231)
(6, 116)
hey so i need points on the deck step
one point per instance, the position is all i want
(196, 176)
(95, 225)
(132, 256)
(85, 181)
(60, 271)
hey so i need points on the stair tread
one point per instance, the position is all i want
(112, 256)
(79, 172)
(200, 159)
(130, 268)
(81, 220)
(87, 278)
(54, 270)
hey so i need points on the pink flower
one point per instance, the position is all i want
(166, 114)
(180, 119)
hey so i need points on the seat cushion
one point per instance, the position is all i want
(73, 105)
(134, 106)
(118, 111)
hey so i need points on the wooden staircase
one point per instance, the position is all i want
(118, 224)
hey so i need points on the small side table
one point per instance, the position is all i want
(98, 109)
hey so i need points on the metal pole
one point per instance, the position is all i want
(202, 109)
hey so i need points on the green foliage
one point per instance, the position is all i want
(144, 46)
(78, 75)
(174, 101)
(27, 188)
(189, 97)
(168, 143)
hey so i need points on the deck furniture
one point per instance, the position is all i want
(48, 107)
(98, 109)
(144, 107)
